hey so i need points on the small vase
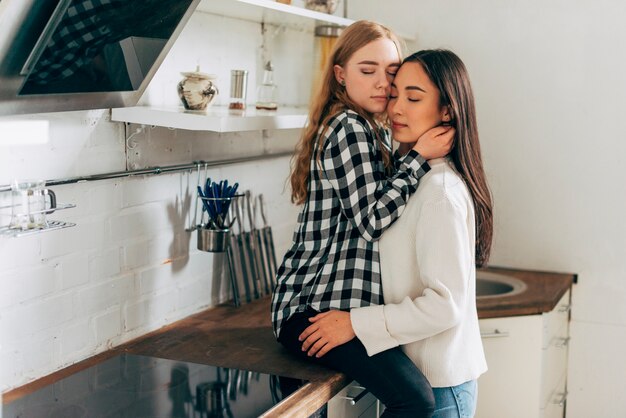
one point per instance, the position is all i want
(197, 90)
(213, 240)
(324, 6)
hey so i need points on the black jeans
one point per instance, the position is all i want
(390, 376)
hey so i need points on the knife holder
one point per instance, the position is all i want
(213, 240)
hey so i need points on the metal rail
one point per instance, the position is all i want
(155, 170)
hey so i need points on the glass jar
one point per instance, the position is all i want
(325, 38)
(238, 89)
(267, 92)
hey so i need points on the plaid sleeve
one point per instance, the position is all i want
(351, 162)
(397, 158)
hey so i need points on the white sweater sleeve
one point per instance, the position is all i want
(444, 258)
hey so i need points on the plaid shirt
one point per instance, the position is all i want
(333, 262)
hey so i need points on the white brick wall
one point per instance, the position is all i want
(129, 266)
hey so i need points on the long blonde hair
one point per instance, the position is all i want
(329, 98)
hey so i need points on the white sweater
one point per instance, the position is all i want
(429, 283)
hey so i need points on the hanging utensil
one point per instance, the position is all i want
(234, 264)
(269, 242)
(262, 254)
(195, 211)
(241, 246)
(251, 246)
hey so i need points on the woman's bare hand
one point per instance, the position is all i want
(327, 331)
(405, 147)
(436, 142)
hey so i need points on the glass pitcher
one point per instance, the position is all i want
(30, 204)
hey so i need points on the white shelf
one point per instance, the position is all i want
(51, 226)
(6, 230)
(268, 11)
(215, 118)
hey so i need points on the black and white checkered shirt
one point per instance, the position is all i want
(333, 262)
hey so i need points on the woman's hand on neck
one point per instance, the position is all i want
(405, 147)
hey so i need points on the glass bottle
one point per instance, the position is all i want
(238, 89)
(267, 92)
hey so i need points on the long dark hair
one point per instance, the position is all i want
(446, 70)
(330, 98)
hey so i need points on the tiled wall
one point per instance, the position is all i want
(129, 266)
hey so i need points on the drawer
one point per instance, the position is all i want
(511, 386)
(555, 407)
(556, 320)
(554, 369)
(352, 402)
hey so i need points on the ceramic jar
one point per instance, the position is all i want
(197, 90)
(324, 6)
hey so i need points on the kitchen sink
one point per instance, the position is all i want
(490, 285)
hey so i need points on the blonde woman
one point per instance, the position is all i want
(352, 190)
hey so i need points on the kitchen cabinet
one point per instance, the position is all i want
(353, 402)
(527, 360)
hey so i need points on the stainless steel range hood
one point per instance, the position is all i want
(59, 55)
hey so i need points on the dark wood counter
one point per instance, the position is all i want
(242, 338)
(224, 336)
(543, 292)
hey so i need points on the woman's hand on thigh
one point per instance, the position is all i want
(327, 331)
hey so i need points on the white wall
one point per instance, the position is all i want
(550, 87)
(129, 266)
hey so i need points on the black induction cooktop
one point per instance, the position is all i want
(133, 386)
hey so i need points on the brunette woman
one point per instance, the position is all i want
(429, 256)
(352, 190)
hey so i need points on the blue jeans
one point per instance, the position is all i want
(456, 401)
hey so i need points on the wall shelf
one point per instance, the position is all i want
(273, 12)
(215, 118)
(269, 11)
(51, 225)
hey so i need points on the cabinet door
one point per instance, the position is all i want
(352, 402)
(511, 386)
(556, 341)
(555, 408)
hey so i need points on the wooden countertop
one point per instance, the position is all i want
(543, 292)
(224, 336)
(242, 338)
